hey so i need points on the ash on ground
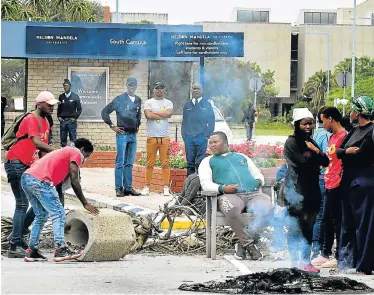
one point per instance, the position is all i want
(280, 281)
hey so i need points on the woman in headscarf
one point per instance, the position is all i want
(302, 192)
(357, 155)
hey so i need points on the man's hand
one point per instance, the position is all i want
(117, 130)
(73, 120)
(230, 189)
(352, 150)
(312, 147)
(60, 119)
(91, 208)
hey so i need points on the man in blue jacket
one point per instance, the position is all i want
(197, 125)
(238, 181)
(127, 107)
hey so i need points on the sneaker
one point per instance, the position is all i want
(145, 191)
(319, 260)
(166, 191)
(64, 253)
(119, 193)
(332, 263)
(240, 252)
(311, 268)
(254, 252)
(34, 255)
(16, 252)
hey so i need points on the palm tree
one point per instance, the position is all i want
(316, 87)
(10, 10)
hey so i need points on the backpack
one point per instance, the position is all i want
(9, 139)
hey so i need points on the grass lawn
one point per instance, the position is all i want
(276, 129)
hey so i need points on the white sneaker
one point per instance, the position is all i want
(145, 191)
(166, 191)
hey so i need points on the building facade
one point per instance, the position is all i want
(46, 53)
(126, 17)
(319, 40)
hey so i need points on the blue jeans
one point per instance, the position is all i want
(45, 200)
(126, 153)
(195, 147)
(318, 233)
(21, 220)
(67, 127)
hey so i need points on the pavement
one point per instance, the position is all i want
(263, 139)
(140, 273)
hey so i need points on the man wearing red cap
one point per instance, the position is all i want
(32, 137)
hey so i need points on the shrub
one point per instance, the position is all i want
(261, 151)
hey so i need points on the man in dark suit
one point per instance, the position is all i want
(68, 111)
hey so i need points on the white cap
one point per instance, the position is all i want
(48, 97)
(301, 113)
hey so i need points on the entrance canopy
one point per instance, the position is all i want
(88, 40)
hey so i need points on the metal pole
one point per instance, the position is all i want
(354, 49)
(328, 63)
(117, 14)
(255, 102)
(202, 76)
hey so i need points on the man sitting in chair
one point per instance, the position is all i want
(238, 181)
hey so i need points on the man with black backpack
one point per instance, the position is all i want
(23, 140)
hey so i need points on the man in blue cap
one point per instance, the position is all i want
(127, 107)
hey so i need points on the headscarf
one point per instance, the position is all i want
(363, 105)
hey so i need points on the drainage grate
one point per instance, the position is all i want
(280, 281)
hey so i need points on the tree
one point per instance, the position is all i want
(315, 88)
(228, 79)
(52, 10)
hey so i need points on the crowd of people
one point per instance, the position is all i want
(329, 189)
(328, 176)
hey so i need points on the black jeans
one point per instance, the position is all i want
(67, 127)
(332, 221)
(21, 220)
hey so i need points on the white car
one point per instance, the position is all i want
(221, 124)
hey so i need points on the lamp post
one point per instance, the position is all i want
(117, 14)
(354, 49)
(328, 55)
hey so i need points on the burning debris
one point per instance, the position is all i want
(280, 281)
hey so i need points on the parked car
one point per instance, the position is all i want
(221, 124)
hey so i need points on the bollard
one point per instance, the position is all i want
(106, 237)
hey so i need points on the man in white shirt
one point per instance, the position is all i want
(158, 110)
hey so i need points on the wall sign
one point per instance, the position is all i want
(92, 41)
(202, 44)
(92, 86)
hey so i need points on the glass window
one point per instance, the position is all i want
(241, 15)
(332, 18)
(177, 79)
(256, 16)
(308, 18)
(13, 84)
(265, 16)
(316, 18)
(324, 18)
(293, 80)
(217, 115)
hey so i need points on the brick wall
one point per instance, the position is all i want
(48, 74)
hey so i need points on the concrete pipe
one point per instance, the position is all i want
(106, 237)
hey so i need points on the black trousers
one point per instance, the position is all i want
(332, 221)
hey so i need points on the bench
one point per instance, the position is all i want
(215, 218)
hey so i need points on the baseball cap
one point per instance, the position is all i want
(131, 80)
(48, 97)
(158, 85)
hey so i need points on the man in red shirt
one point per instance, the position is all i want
(32, 135)
(39, 183)
(332, 211)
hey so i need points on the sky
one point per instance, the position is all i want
(191, 11)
